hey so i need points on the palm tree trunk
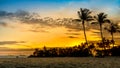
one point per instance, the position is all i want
(112, 39)
(102, 38)
(84, 32)
(101, 32)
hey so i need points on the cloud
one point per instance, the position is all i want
(9, 49)
(96, 32)
(72, 33)
(4, 13)
(35, 30)
(10, 42)
(38, 23)
(72, 37)
(3, 24)
(18, 13)
(34, 19)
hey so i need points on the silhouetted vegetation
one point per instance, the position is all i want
(93, 49)
(101, 18)
(99, 48)
(115, 51)
(113, 28)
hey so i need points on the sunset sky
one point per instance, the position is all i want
(29, 24)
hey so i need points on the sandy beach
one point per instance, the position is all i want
(67, 62)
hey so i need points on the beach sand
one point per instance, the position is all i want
(65, 62)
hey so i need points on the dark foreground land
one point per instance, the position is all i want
(63, 62)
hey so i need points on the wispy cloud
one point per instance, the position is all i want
(72, 37)
(39, 24)
(3, 24)
(4, 14)
(11, 42)
(72, 33)
(33, 18)
(32, 30)
(9, 49)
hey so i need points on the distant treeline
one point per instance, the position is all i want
(98, 49)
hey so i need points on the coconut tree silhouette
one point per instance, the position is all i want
(101, 18)
(113, 28)
(84, 15)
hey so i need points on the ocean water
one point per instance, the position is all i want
(65, 62)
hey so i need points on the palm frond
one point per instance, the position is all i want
(113, 28)
(102, 18)
(107, 21)
(84, 14)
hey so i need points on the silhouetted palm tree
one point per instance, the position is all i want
(113, 29)
(84, 15)
(101, 18)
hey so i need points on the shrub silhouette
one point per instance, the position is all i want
(77, 51)
(80, 50)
